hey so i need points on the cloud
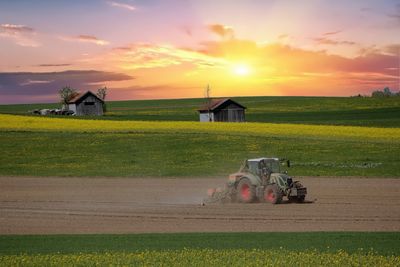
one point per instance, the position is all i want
(54, 65)
(44, 86)
(122, 5)
(230, 49)
(393, 49)
(22, 35)
(85, 39)
(331, 33)
(394, 16)
(149, 92)
(147, 56)
(285, 64)
(29, 82)
(221, 30)
(328, 41)
(298, 60)
(16, 29)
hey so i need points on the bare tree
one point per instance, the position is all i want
(66, 94)
(102, 93)
(208, 101)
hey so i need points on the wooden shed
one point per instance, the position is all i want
(224, 110)
(86, 104)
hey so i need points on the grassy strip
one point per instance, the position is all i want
(383, 243)
(378, 112)
(24, 123)
(187, 155)
(204, 257)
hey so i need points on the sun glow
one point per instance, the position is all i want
(241, 70)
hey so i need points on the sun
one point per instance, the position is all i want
(241, 69)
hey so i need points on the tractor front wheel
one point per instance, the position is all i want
(246, 192)
(273, 194)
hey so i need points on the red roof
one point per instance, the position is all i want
(215, 103)
(80, 97)
(76, 97)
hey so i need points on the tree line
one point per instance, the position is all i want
(386, 92)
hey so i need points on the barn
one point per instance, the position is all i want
(86, 104)
(224, 110)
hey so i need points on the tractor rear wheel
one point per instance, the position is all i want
(246, 192)
(273, 194)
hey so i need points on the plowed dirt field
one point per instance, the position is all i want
(36, 205)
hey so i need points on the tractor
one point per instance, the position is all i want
(260, 180)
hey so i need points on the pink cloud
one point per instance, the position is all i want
(122, 5)
(22, 35)
(328, 41)
(332, 33)
(85, 39)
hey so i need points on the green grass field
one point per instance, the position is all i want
(63, 147)
(203, 249)
(379, 112)
(383, 243)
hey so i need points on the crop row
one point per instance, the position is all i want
(29, 123)
(204, 257)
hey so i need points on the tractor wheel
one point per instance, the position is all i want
(246, 192)
(273, 194)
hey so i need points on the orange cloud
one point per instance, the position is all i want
(146, 56)
(274, 69)
(286, 66)
(221, 30)
(393, 49)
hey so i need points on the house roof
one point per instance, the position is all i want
(80, 97)
(219, 104)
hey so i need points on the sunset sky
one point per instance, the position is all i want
(151, 49)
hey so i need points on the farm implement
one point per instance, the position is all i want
(259, 180)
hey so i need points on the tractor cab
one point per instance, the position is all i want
(261, 166)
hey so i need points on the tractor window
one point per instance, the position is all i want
(274, 166)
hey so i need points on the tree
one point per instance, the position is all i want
(387, 92)
(66, 94)
(377, 93)
(208, 101)
(102, 93)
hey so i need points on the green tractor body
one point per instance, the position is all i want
(261, 180)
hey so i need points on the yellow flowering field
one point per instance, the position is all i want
(31, 123)
(204, 257)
